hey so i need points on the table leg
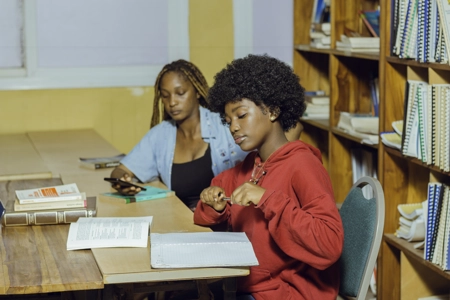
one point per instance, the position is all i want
(108, 292)
(229, 288)
(203, 290)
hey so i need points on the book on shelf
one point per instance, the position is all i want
(201, 249)
(391, 139)
(314, 93)
(95, 163)
(412, 232)
(324, 28)
(398, 127)
(412, 222)
(410, 210)
(317, 108)
(315, 116)
(444, 17)
(371, 19)
(51, 205)
(361, 42)
(106, 232)
(47, 217)
(345, 48)
(319, 45)
(440, 251)
(318, 99)
(359, 122)
(320, 13)
(64, 192)
(363, 164)
(151, 193)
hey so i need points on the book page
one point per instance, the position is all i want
(89, 233)
(201, 249)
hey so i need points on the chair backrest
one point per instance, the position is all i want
(363, 221)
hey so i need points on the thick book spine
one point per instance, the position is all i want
(49, 205)
(45, 217)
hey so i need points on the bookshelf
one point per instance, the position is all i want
(344, 76)
(402, 271)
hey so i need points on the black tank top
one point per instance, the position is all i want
(189, 179)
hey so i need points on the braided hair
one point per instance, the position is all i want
(191, 73)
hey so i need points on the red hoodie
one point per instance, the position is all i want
(295, 229)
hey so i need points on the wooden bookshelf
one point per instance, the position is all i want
(402, 271)
(344, 76)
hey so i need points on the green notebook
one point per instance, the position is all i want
(150, 194)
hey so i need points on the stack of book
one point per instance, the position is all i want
(317, 105)
(363, 126)
(320, 25)
(412, 223)
(358, 44)
(48, 205)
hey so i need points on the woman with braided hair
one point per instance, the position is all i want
(189, 147)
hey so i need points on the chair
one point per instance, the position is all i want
(363, 221)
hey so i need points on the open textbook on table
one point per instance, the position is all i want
(201, 249)
(89, 233)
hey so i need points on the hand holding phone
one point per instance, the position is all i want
(125, 187)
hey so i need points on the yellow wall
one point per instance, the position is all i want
(120, 115)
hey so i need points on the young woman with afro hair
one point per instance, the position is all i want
(280, 195)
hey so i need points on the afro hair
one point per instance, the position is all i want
(264, 80)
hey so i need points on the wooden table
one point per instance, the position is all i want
(132, 265)
(35, 259)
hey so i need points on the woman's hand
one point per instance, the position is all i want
(246, 194)
(214, 197)
(126, 190)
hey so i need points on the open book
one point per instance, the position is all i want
(89, 233)
(201, 249)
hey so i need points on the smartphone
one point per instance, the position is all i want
(123, 184)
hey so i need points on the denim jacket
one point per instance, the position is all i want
(152, 157)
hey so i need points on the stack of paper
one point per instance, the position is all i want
(362, 126)
(317, 107)
(412, 227)
(358, 44)
(201, 249)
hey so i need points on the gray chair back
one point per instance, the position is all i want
(363, 221)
